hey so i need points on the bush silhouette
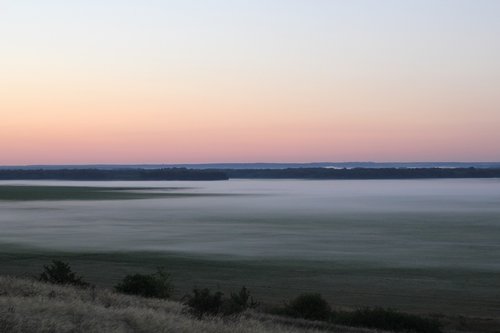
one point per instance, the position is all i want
(310, 306)
(239, 302)
(156, 285)
(60, 273)
(202, 302)
(387, 319)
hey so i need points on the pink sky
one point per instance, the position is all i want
(112, 86)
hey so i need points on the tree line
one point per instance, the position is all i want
(363, 173)
(113, 174)
(224, 174)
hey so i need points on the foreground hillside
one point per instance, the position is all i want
(30, 306)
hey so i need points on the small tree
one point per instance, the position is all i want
(60, 273)
(239, 302)
(156, 285)
(203, 302)
(310, 306)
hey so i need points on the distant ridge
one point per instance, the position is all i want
(339, 165)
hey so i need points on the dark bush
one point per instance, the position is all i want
(387, 319)
(202, 302)
(310, 306)
(60, 273)
(156, 285)
(238, 302)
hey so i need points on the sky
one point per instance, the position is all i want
(195, 81)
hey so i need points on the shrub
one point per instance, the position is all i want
(239, 302)
(202, 302)
(156, 285)
(310, 306)
(387, 319)
(60, 273)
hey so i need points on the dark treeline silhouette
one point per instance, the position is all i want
(224, 174)
(116, 174)
(362, 173)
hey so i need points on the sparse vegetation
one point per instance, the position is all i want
(387, 319)
(28, 306)
(156, 285)
(239, 302)
(60, 273)
(311, 306)
(205, 303)
(202, 302)
(308, 310)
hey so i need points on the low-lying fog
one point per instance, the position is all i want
(396, 222)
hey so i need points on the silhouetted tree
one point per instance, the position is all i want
(310, 306)
(60, 273)
(156, 285)
(202, 302)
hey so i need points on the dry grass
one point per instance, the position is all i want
(28, 306)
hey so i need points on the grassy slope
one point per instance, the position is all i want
(30, 306)
(274, 281)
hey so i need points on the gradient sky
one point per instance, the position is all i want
(150, 81)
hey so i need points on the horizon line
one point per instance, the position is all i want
(245, 163)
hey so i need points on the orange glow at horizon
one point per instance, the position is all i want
(165, 90)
